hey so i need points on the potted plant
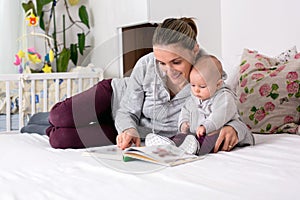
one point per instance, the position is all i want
(44, 14)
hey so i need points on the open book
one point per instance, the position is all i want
(167, 155)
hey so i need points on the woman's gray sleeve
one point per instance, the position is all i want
(244, 134)
(129, 113)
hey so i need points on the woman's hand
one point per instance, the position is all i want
(127, 138)
(227, 139)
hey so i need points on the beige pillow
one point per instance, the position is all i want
(269, 94)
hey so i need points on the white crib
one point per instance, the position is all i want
(24, 86)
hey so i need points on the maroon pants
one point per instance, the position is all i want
(83, 120)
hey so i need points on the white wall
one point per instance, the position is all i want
(109, 15)
(10, 31)
(207, 15)
(225, 27)
(269, 26)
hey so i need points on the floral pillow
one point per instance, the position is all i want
(269, 94)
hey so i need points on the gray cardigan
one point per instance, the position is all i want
(146, 103)
(143, 101)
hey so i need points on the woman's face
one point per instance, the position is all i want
(174, 61)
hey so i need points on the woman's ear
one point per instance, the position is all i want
(196, 49)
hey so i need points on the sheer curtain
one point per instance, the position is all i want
(11, 25)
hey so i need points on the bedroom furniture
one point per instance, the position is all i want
(44, 89)
(31, 169)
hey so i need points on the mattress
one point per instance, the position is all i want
(31, 169)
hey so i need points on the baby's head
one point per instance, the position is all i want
(206, 77)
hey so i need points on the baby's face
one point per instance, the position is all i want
(199, 86)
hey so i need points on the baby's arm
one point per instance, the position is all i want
(223, 110)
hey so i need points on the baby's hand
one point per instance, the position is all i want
(185, 127)
(201, 131)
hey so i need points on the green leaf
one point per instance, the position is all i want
(81, 42)
(253, 109)
(251, 91)
(40, 4)
(269, 126)
(243, 62)
(28, 6)
(246, 90)
(251, 117)
(297, 95)
(74, 53)
(42, 23)
(274, 95)
(63, 60)
(275, 86)
(83, 15)
(298, 108)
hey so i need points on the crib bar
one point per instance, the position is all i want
(20, 91)
(80, 85)
(45, 95)
(69, 87)
(32, 94)
(57, 90)
(8, 104)
(21, 81)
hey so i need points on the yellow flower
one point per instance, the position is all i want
(47, 69)
(32, 20)
(73, 2)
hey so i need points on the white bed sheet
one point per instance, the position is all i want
(31, 169)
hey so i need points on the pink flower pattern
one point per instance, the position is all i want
(288, 119)
(244, 82)
(244, 67)
(292, 87)
(259, 65)
(269, 106)
(271, 87)
(276, 71)
(265, 89)
(292, 76)
(243, 97)
(260, 114)
(257, 76)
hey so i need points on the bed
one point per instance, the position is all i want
(44, 89)
(31, 169)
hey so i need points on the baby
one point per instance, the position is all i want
(210, 107)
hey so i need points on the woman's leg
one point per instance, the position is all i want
(82, 137)
(83, 108)
(84, 119)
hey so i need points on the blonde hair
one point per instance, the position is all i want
(182, 31)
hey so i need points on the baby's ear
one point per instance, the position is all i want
(219, 83)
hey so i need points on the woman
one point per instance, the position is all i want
(154, 95)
